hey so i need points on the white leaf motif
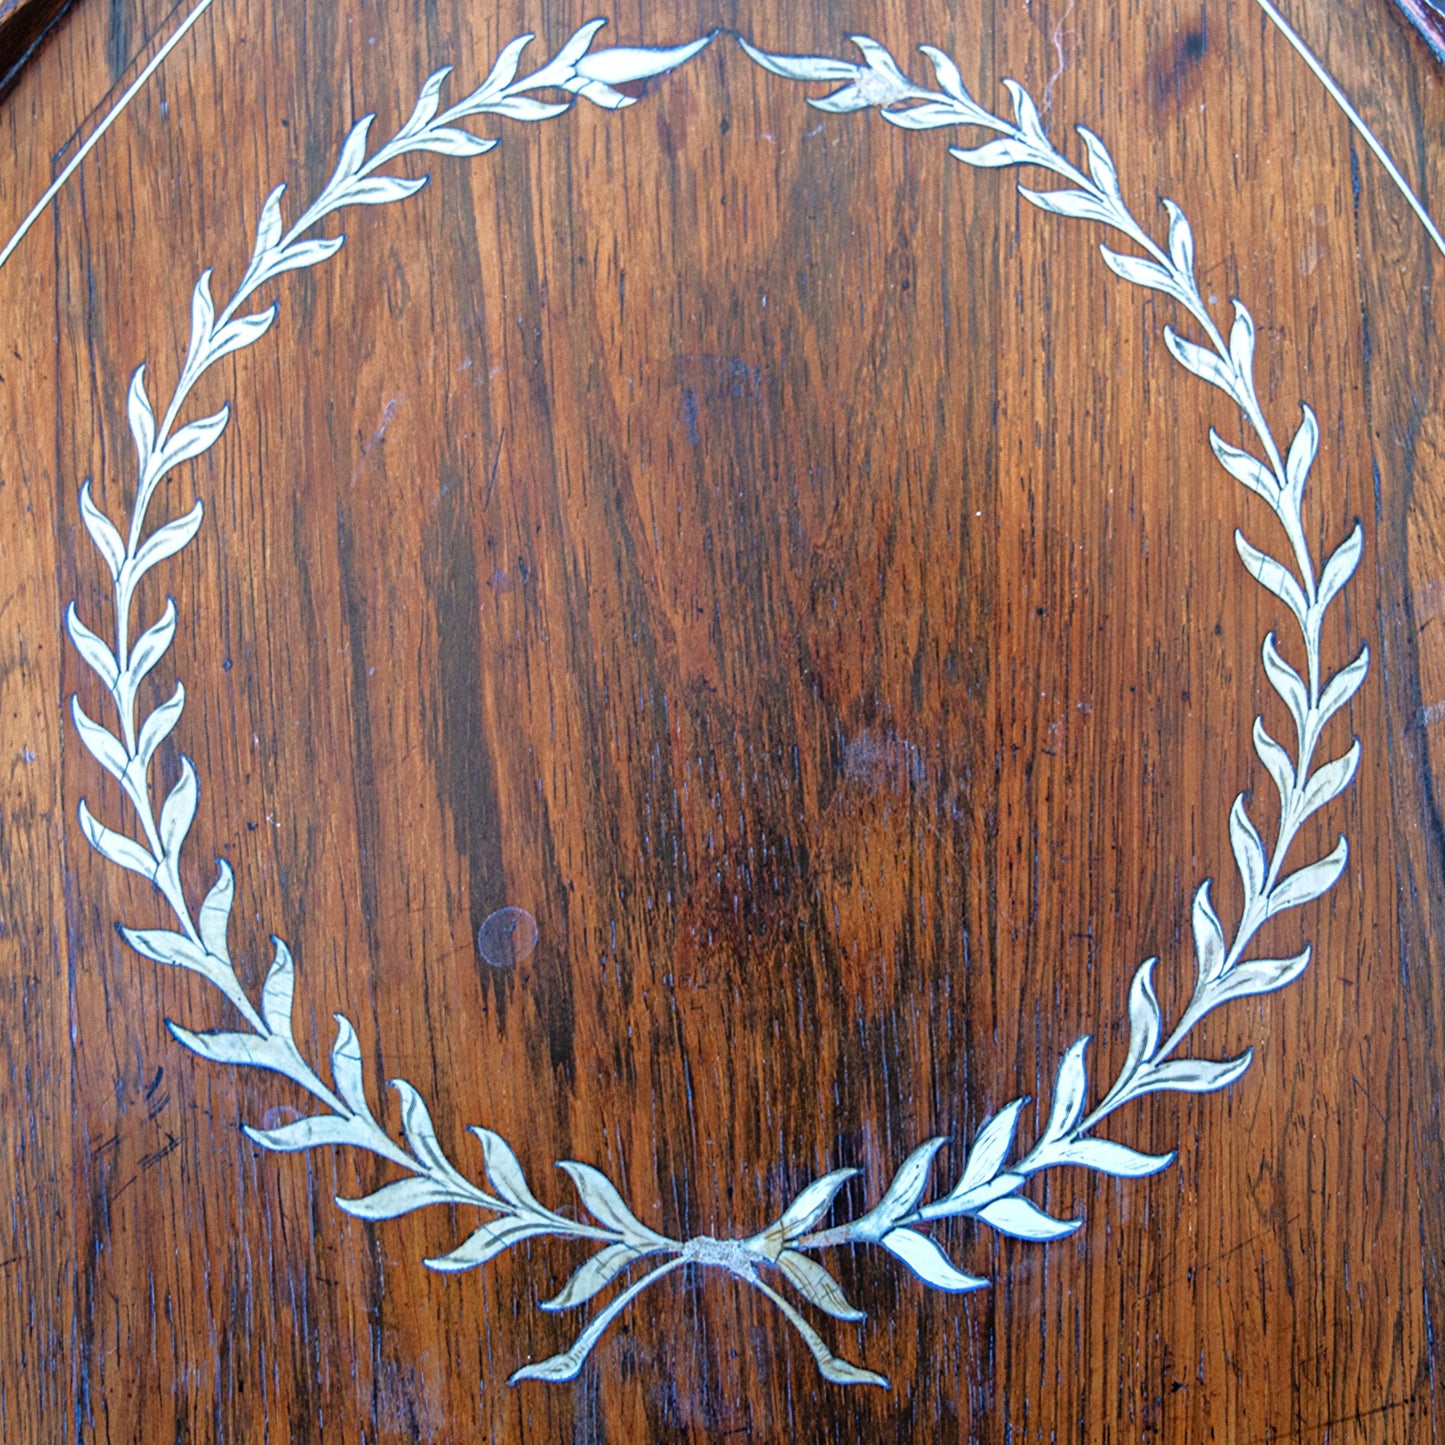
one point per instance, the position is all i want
(1340, 568)
(817, 1286)
(605, 1204)
(989, 1149)
(179, 811)
(1209, 945)
(158, 727)
(1276, 759)
(1248, 847)
(199, 436)
(1200, 360)
(115, 847)
(346, 1068)
(1107, 1157)
(487, 1242)
(1245, 468)
(923, 1256)
(152, 644)
(1197, 1076)
(108, 541)
(800, 67)
(215, 913)
(278, 991)
(903, 1193)
(96, 654)
(393, 1200)
(1025, 1220)
(506, 1173)
(1272, 577)
(306, 1134)
(995, 154)
(618, 66)
(452, 141)
(1311, 882)
(1302, 452)
(1080, 205)
(594, 1275)
(813, 1203)
(168, 540)
(1344, 685)
(1261, 975)
(99, 742)
(142, 418)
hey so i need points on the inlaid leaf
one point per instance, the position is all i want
(923, 1256)
(1245, 467)
(152, 644)
(1080, 205)
(813, 1203)
(453, 141)
(100, 743)
(1286, 682)
(1198, 1076)
(1339, 568)
(1069, 1092)
(1107, 1157)
(115, 847)
(1273, 577)
(1344, 685)
(995, 154)
(1302, 452)
(1329, 780)
(108, 541)
(142, 419)
(166, 541)
(817, 1286)
(1022, 1219)
(800, 67)
(1210, 949)
(393, 1200)
(1276, 759)
(1306, 884)
(347, 1068)
(383, 190)
(506, 1173)
(214, 917)
(94, 652)
(1261, 975)
(216, 1047)
(492, 1239)
(906, 1189)
(278, 991)
(305, 1134)
(1248, 848)
(178, 811)
(594, 1275)
(190, 442)
(1200, 360)
(1144, 1018)
(605, 1205)
(989, 1149)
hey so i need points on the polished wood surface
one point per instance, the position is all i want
(791, 568)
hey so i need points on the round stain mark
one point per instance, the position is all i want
(507, 936)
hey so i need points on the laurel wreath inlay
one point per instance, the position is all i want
(997, 1167)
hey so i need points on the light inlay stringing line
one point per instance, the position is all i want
(131, 92)
(1355, 119)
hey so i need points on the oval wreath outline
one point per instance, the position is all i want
(989, 1186)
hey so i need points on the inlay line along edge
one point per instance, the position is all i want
(990, 1186)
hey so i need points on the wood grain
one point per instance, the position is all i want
(23, 24)
(792, 568)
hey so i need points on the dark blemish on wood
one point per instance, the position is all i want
(1178, 77)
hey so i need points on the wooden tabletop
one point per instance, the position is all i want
(719, 639)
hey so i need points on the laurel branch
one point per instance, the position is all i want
(995, 1168)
